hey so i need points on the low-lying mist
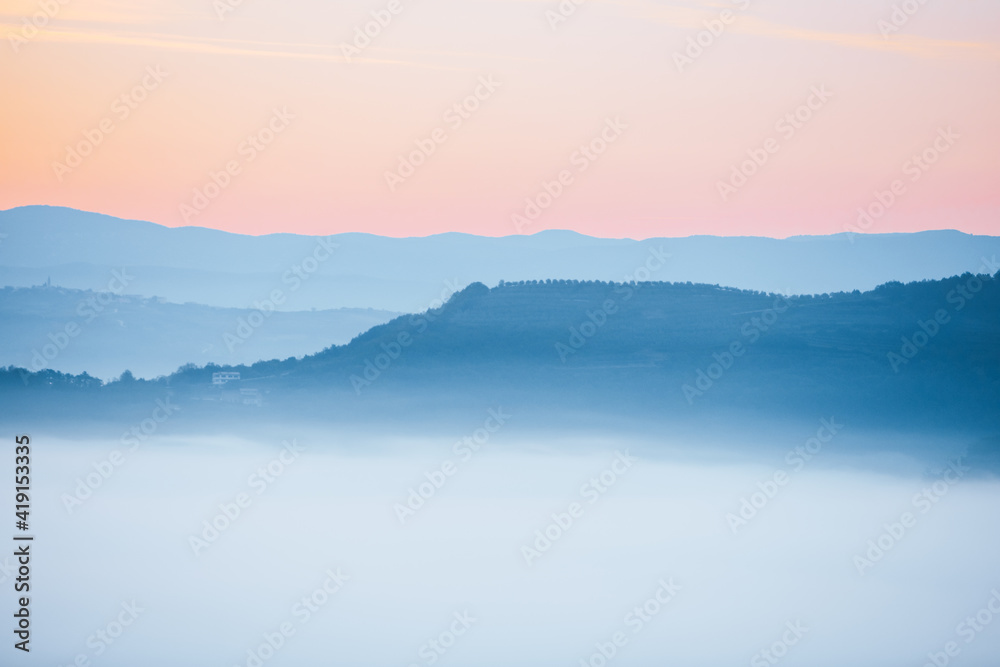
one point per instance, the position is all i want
(497, 548)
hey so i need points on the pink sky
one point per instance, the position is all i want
(679, 132)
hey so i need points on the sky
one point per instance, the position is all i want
(614, 118)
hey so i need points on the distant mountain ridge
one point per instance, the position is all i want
(190, 264)
(106, 333)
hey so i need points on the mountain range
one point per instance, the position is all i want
(106, 333)
(83, 250)
(918, 357)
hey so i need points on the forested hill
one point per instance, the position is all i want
(920, 353)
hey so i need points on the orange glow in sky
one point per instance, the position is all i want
(624, 118)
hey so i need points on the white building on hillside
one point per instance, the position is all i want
(224, 377)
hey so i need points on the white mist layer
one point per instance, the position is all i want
(793, 563)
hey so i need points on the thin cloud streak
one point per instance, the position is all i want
(747, 24)
(216, 46)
